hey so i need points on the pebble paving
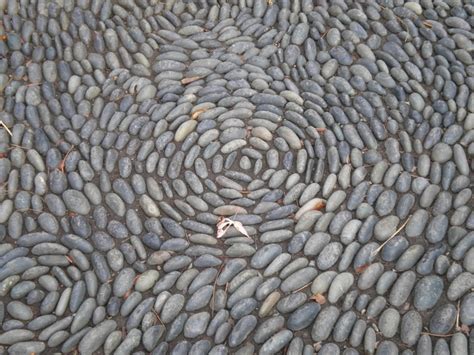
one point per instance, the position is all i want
(340, 134)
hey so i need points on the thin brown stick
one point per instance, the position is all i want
(214, 290)
(302, 287)
(457, 317)
(438, 335)
(63, 161)
(12, 146)
(376, 251)
(158, 317)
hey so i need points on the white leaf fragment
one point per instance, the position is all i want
(225, 223)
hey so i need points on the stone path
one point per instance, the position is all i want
(339, 135)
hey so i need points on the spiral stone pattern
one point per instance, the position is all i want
(339, 135)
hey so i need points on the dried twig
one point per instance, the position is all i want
(438, 335)
(457, 317)
(376, 251)
(63, 161)
(302, 287)
(6, 128)
(214, 290)
(463, 328)
(158, 317)
(13, 146)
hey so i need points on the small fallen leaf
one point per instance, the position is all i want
(225, 223)
(315, 204)
(222, 227)
(240, 227)
(196, 114)
(318, 298)
(361, 268)
(185, 81)
(317, 346)
(319, 206)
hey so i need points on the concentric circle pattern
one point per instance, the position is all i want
(236, 177)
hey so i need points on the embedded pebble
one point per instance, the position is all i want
(443, 319)
(427, 292)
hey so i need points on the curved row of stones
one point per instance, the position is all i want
(339, 133)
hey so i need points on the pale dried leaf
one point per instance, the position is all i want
(225, 223)
(185, 81)
(220, 233)
(196, 114)
(319, 298)
(222, 227)
(240, 227)
(362, 268)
